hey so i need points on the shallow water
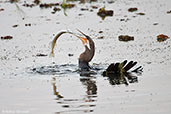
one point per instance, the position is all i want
(32, 84)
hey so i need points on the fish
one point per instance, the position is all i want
(54, 42)
(84, 40)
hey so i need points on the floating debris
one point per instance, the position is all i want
(55, 9)
(72, 0)
(29, 24)
(84, 9)
(101, 37)
(169, 12)
(125, 38)
(28, 5)
(101, 31)
(111, 2)
(64, 5)
(1, 9)
(41, 55)
(70, 54)
(127, 19)
(83, 1)
(45, 5)
(80, 14)
(122, 19)
(91, 10)
(6, 37)
(103, 13)
(132, 9)
(155, 23)
(162, 37)
(93, 0)
(14, 26)
(12, 1)
(37, 2)
(94, 7)
(140, 13)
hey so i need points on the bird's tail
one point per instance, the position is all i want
(130, 65)
(123, 67)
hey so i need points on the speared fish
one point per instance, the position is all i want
(54, 42)
(84, 40)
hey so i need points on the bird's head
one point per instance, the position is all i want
(83, 39)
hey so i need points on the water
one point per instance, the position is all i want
(32, 84)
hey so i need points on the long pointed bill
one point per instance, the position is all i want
(82, 33)
(84, 40)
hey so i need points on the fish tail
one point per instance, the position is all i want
(51, 54)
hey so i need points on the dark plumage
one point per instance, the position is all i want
(115, 68)
(119, 73)
(88, 54)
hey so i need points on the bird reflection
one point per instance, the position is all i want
(125, 79)
(91, 88)
(85, 104)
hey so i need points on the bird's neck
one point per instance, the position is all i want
(92, 49)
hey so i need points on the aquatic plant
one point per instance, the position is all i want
(65, 5)
(103, 13)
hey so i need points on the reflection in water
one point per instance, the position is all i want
(114, 78)
(55, 92)
(91, 86)
(87, 102)
(122, 79)
(83, 105)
